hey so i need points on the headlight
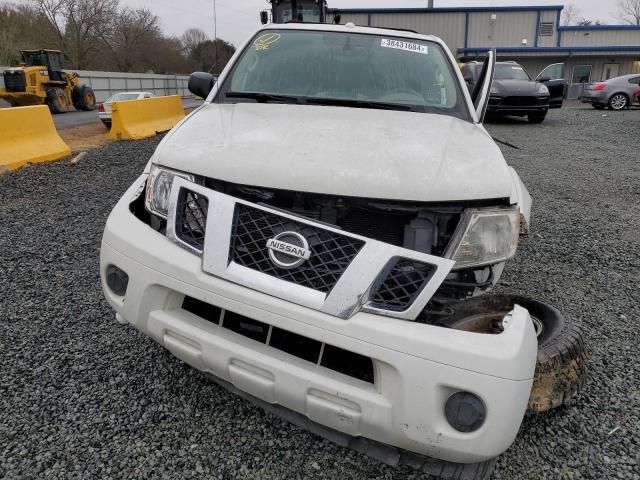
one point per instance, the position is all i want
(487, 236)
(159, 189)
(543, 89)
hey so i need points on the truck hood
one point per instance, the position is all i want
(339, 151)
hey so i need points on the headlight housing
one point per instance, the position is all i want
(159, 189)
(543, 89)
(486, 236)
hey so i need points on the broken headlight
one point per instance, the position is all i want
(485, 236)
(159, 189)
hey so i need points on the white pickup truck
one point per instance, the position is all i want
(318, 236)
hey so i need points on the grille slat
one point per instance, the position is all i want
(402, 285)
(313, 351)
(331, 253)
(191, 218)
(523, 101)
(14, 81)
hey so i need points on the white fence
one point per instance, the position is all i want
(105, 84)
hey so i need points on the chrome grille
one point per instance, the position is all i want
(331, 253)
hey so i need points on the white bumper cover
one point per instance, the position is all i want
(416, 366)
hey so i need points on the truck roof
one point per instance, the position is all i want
(351, 28)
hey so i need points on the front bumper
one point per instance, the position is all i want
(416, 366)
(513, 105)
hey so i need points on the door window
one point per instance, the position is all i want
(635, 80)
(581, 74)
(552, 72)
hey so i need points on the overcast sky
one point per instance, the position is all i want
(237, 19)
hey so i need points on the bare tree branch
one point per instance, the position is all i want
(629, 11)
(570, 14)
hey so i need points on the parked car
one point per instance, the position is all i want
(616, 93)
(312, 236)
(513, 92)
(104, 109)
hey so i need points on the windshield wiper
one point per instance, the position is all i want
(264, 97)
(342, 102)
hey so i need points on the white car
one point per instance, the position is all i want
(310, 237)
(104, 108)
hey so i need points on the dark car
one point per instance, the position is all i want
(514, 92)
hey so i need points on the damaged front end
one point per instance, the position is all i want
(479, 236)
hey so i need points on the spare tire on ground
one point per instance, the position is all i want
(561, 364)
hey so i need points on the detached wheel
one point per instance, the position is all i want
(57, 100)
(561, 364)
(537, 117)
(619, 101)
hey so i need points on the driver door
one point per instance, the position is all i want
(553, 77)
(482, 86)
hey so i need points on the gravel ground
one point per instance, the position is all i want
(84, 397)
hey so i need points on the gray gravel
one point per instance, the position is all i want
(84, 397)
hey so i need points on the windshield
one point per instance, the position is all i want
(345, 69)
(510, 72)
(121, 97)
(34, 59)
(307, 11)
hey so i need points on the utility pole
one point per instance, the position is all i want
(215, 38)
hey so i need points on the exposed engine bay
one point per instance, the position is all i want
(427, 228)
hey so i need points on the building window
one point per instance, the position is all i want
(581, 74)
(546, 29)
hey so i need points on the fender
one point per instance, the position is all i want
(520, 196)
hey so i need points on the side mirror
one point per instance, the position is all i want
(544, 79)
(264, 17)
(201, 84)
(336, 19)
(468, 78)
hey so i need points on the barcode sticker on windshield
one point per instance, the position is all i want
(407, 46)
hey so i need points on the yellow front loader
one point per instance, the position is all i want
(41, 80)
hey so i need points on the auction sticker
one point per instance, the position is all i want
(407, 46)
(264, 42)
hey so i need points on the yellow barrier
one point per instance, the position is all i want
(137, 119)
(28, 135)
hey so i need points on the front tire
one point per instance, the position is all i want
(57, 100)
(537, 117)
(618, 101)
(87, 99)
(561, 363)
